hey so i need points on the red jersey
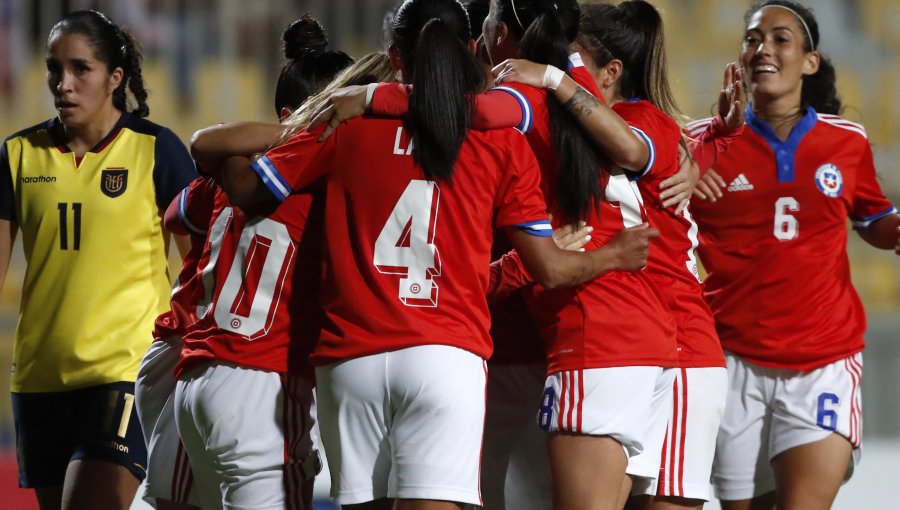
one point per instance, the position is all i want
(265, 273)
(775, 244)
(197, 204)
(398, 274)
(672, 264)
(618, 319)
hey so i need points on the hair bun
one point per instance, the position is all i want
(304, 36)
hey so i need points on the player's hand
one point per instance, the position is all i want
(519, 71)
(678, 189)
(343, 104)
(897, 246)
(710, 186)
(633, 245)
(732, 97)
(573, 236)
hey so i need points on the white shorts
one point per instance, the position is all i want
(689, 444)
(247, 433)
(773, 410)
(515, 470)
(169, 475)
(404, 424)
(625, 403)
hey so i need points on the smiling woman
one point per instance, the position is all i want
(86, 189)
(795, 176)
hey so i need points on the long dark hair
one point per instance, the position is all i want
(544, 29)
(819, 90)
(114, 46)
(633, 33)
(431, 38)
(310, 66)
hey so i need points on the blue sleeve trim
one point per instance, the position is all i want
(527, 115)
(183, 215)
(651, 160)
(539, 228)
(271, 178)
(865, 223)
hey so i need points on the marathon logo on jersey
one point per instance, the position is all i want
(113, 181)
(740, 183)
(39, 179)
(829, 180)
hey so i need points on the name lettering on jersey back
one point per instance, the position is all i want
(38, 179)
(399, 150)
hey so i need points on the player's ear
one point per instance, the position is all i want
(284, 113)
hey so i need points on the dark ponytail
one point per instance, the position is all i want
(819, 89)
(310, 65)
(544, 30)
(431, 37)
(114, 46)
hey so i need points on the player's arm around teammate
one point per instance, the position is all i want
(87, 189)
(794, 177)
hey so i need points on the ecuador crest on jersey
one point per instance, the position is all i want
(113, 181)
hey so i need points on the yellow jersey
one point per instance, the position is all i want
(97, 274)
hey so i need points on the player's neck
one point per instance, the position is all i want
(782, 114)
(80, 139)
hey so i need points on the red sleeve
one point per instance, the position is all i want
(191, 210)
(496, 108)
(661, 134)
(508, 274)
(298, 162)
(708, 139)
(519, 202)
(869, 203)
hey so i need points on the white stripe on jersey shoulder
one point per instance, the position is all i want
(840, 122)
(698, 126)
(527, 115)
(183, 215)
(575, 60)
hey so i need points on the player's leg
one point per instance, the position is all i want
(741, 476)
(168, 483)
(596, 417)
(816, 430)
(92, 484)
(809, 476)
(437, 393)
(514, 469)
(588, 471)
(378, 504)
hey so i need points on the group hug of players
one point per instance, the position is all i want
(467, 234)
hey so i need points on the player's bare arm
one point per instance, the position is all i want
(607, 129)
(884, 233)
(211, 146)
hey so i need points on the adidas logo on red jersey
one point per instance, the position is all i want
(740, 183)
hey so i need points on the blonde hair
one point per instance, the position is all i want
(373, 68)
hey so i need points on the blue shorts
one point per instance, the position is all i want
(97, 422)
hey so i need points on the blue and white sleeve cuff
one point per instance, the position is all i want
(575, 60)
(651, 159)
(540, 228)
(183, 215)
(865, 223)
(271, 178)
(527, 115)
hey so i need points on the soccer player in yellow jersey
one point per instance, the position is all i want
(86, 188)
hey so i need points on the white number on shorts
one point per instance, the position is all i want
(786, 226)
(254, 282)
(207, 275)
(623, 193)
(406, 246)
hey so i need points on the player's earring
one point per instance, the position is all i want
(499, 40)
